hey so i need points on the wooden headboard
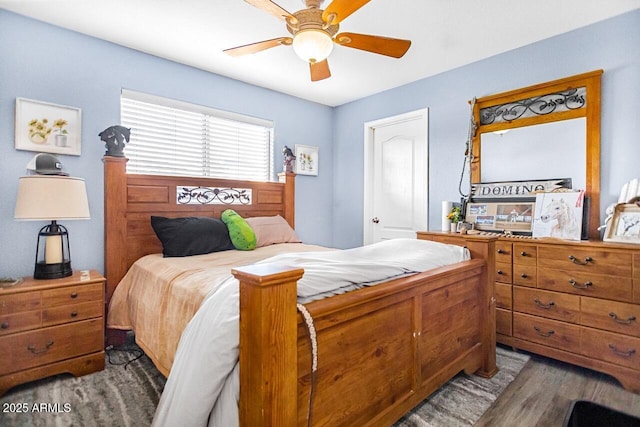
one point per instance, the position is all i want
(131, 200)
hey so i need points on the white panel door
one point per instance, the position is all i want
(396, 177)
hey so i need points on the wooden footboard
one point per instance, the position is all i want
(381, 349)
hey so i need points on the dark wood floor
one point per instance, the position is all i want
(542, 392)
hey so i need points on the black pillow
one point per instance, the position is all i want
(191, 235)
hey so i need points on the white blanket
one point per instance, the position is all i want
(202, 388)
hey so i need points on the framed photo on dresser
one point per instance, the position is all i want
(624, 226)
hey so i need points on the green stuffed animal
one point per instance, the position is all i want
(240, 232)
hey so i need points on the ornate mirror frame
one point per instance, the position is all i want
(563, 99)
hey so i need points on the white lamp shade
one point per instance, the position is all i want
(46, 197)
(312, 45)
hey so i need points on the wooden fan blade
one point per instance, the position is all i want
(341, 9)
(395, 48)
(258, 46)
(272, 8)
(319, 70)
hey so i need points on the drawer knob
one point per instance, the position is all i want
(626, 321)
(500, 251)
(627, 353)
(523, 253)
(74, 295)
(32, 348)
(524, 275)
(5, 325)
(575, 260)
(579, 286)
(543, 305)
(74, 314)
(543, 334)
(499, 272)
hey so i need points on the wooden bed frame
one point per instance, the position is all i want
(381, 349)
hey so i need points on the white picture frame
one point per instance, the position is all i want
(306, 160)
(624, 226)
(47, 128)
(559, 215)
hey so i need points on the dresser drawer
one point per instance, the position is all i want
(16, 303)
(612, 316)
(71, 313)
(503, 272)
(503, 322)
(594, 260)
(610, 347)
(587, 284)
(72, 295)
(503, 252)
(503, 296)
(24, 321)
(525, 254)
(525, 275)
(36, 348)
(548, 332)
(548, 304)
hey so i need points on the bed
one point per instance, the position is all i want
(380, 349)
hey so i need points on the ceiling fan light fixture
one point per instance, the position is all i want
(312, 45)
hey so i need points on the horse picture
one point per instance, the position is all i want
(561, 216)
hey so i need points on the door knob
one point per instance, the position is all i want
(375, 220)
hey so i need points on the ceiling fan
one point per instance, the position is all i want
(314, 33)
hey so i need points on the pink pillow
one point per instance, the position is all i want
(270, 230)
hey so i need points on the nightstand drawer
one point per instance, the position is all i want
(16, 303)
(19, 322)
(37, 348)
(72, 295)
(71, 313)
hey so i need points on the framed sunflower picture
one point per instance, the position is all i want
(306, 160)
(47, 128)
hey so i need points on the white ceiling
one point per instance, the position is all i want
(445, 34)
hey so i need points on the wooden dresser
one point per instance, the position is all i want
(48, 327)
(573, 301)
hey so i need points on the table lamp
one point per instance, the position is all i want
(52, 198)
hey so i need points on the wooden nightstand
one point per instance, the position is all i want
(48, 327)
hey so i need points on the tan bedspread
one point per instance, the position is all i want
(151, 301)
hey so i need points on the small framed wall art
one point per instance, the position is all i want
(47, 128)
(624, 225)
(306, 160)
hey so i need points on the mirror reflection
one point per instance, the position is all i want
(544, 151)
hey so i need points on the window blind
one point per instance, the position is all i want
(171, 137)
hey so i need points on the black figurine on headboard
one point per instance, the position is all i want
(114, 138)
(289, 158)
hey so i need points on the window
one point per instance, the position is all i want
(170, 137)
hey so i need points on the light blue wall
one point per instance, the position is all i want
(47, 63)
(612, 45)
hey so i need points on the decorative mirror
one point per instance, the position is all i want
(554, 124)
